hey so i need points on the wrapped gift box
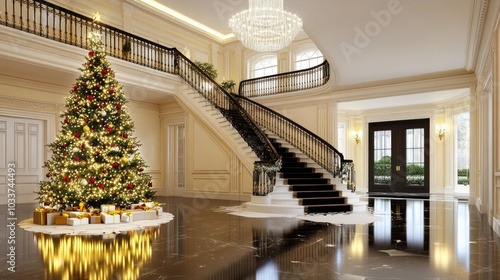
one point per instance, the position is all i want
(95, 219)
(127, 217)
(40, 216)
(105, 208)
(110, 218)
(51, 218)
(61, 219)
(84, 221)
(78, 221)
(159, 210)
(76, 214)
(144, 214)
(142, 205)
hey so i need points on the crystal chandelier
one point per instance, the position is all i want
(265, 26)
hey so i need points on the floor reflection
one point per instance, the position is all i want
(415, 239)
(108, 256)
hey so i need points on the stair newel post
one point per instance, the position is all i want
(264, 177)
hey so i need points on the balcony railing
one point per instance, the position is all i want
(286, 82)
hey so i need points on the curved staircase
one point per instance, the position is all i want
(303, 187)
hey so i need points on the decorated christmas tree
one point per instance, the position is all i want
(95, 158)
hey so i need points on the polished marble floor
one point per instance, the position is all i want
(414, 239)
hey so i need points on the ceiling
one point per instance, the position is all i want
(370, 41)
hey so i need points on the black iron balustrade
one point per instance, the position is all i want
(316, 148)
(59, 24)
(286, 82)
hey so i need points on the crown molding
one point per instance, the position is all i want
(418, 84)
(476, 30)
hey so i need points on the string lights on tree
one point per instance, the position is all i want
(95, 158)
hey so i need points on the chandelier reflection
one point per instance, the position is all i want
(96, 257)
(265, 26)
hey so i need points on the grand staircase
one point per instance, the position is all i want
(316, 193)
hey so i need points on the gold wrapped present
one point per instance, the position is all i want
(95, 219)
(40, 216)
(62, 219)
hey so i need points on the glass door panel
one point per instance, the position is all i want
(399, 156)
(382, 158)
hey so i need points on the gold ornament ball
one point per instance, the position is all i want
(124, 160)
(86, 128)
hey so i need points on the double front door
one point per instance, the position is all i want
(399, 157)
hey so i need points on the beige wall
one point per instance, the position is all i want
(35, 100)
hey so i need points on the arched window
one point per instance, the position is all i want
(264, 66)
(308, 58)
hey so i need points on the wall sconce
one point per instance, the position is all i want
(441, 130)
(357, 136)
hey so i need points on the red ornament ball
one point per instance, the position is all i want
(109, 129)
(66, 121)
(130, 186)
(115, 164)
(101, 186)
(47, 175)
(104, 171)
(75, 88)
(125, 135)
(91, 180)
(150, 184)
(76, 158)
(111, 91)
(141, 169)
(104, 71)
(67, 179)
(90, 98)
(91, 54)
(77, 135)
(118, 106)
(86, 119)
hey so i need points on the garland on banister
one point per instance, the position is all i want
(268, 168)
(347, 168)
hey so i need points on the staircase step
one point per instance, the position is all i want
(323, 201)
(295, 181)
(286, 169)
(312, 187)
(294, 164)
(289, 175)
(328, 208)
(312, 194)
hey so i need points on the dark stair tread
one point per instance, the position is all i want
(290, 175)
(296, 169)
(313, 187)
(295, 181)
(340, 200)
(312, 194)
(326, 208)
